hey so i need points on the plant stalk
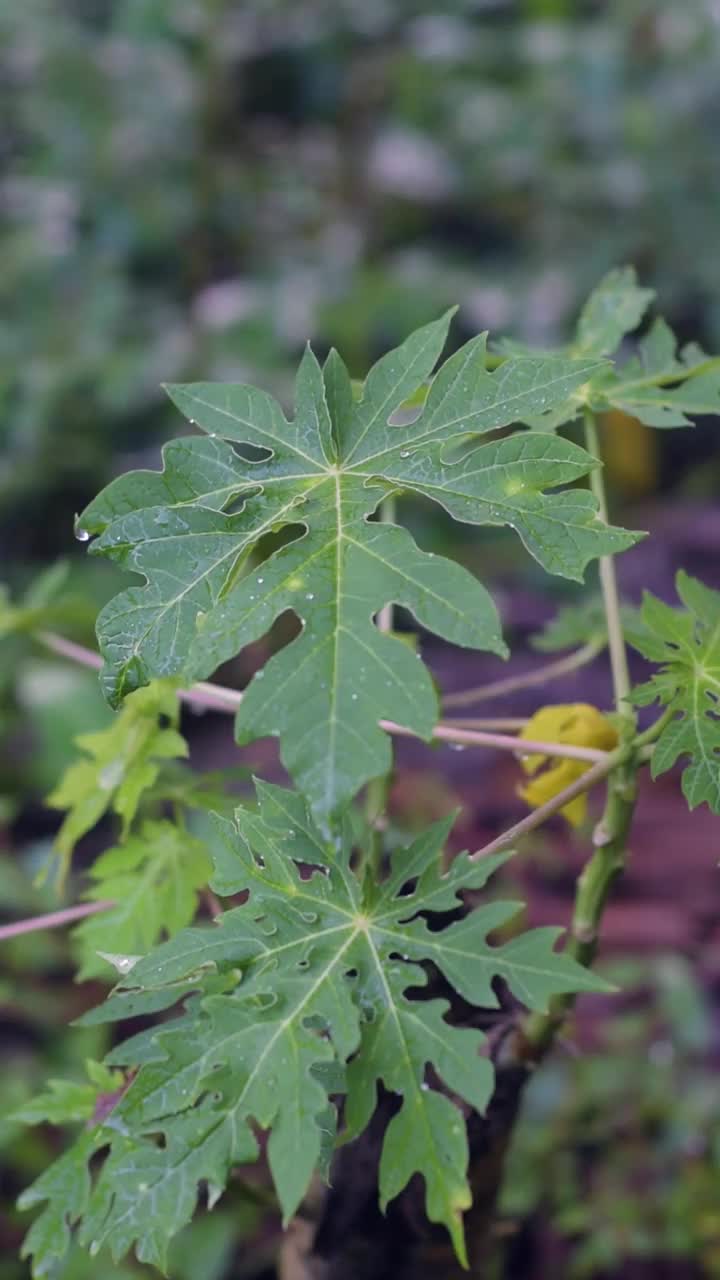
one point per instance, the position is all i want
(608, 580)
(510, 684)
(53, 919)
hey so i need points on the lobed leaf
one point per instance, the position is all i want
(154, 880)
(313, 987)
(685, 643)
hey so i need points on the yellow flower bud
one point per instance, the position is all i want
(578, 724)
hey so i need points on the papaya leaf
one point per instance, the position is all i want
(660, 385)
(685, 644)
(119, 764)
(319, 973)
(154, 879)
(323, 477)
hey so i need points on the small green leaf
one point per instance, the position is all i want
(70, 1102)
(685, 643)
(120, 764)
(309, 989)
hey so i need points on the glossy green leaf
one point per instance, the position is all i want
(662, 386)
(322, 477)
(317, 973)
(685, 643)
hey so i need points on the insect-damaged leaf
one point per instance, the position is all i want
(316, 972)
(324, 475)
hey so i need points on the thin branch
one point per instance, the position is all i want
(501, 742)
(53, 919)
(545, 811)
(217, 697)
(540, 675)
(650, 735)
(608, 581)
(68, 649)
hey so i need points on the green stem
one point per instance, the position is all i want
(608, 582)
(611, 834)
(652, 734)
(592, 892)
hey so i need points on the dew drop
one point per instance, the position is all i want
(354, 697)
(81, 534)
(424, 1087)
(310, 595)
(404, 453)
(260, 581)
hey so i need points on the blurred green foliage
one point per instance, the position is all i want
(618, 1149)
(198, 186)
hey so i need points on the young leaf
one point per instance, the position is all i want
(123, 762)
(615, 307)
(685, 643)
(70, 1102)
(658, 387)
(154, 880)
(318, 974)
(324, 475)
